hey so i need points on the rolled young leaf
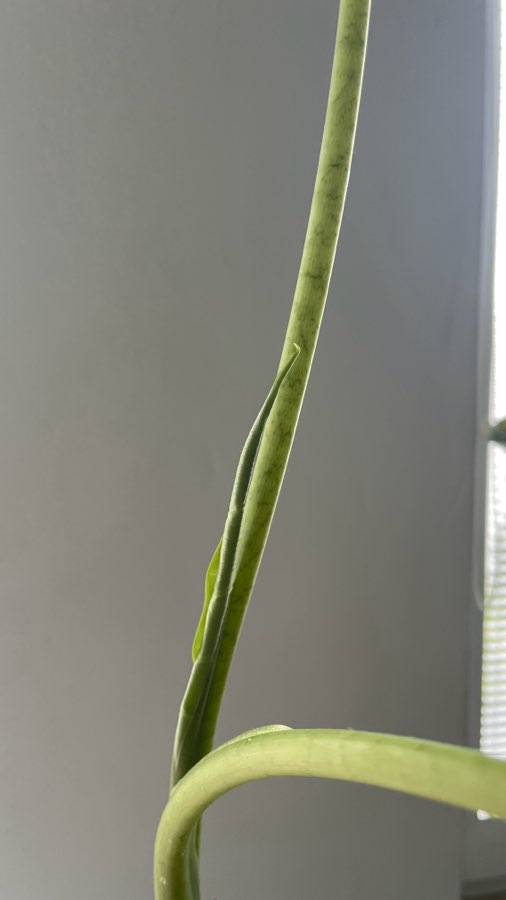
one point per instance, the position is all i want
(195, 728)
(211, 574)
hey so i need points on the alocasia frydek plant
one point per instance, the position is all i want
(446, 773)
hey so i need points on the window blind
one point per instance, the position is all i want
(493, 696)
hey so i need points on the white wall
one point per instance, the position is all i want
(156, 166)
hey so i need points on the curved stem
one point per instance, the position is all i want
(442, 772)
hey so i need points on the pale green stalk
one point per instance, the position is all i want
(303, 327)
(442, 772)
(248, 525)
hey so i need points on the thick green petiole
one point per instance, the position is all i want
(442, 772)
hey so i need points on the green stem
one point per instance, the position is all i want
(250, 528)
(442, 772)
(303, 328)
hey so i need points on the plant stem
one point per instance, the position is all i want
(303, 328)
(313, 280)
(442, 772)
(201, 704)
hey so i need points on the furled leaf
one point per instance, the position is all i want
(197, 717)
(212, 571)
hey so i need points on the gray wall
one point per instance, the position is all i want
(156, 167)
